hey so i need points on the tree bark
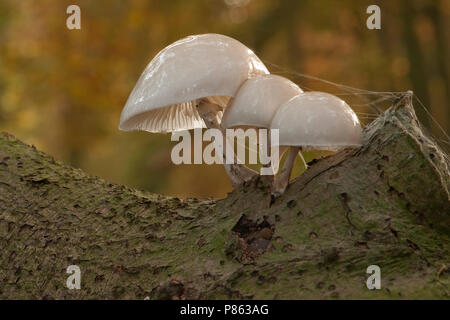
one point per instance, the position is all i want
(384, 204)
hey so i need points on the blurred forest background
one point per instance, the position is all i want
(63, 90)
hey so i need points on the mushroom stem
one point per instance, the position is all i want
(268, 179)
(237, 173)
(303, 159)
(281, 182)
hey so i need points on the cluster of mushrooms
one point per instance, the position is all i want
(214, 81)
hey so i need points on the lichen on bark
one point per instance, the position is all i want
(386, 203)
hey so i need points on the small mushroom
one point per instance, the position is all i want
(188, 84)
(257, 101)
(313, 121)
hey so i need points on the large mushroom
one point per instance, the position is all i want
(188, 85)
(256, 103)
(313, 121)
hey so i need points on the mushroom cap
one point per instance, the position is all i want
(257, 101)
(317, 120)
(209, 66)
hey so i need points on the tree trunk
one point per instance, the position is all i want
(384, 204)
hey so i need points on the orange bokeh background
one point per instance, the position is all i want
(63, 90)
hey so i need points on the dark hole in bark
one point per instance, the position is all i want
(253, 238)
(291, 203)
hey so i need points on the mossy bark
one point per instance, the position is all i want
(384, 204)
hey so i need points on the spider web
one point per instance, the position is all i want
(368, 105)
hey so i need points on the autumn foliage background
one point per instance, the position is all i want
(63, 90)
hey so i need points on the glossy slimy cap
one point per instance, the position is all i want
(209, 66)
(257, 101)
(317, 120)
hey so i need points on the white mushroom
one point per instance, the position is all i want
(257, 101)
(314, 121)
(187, 86)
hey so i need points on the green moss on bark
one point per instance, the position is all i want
(386, 203)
